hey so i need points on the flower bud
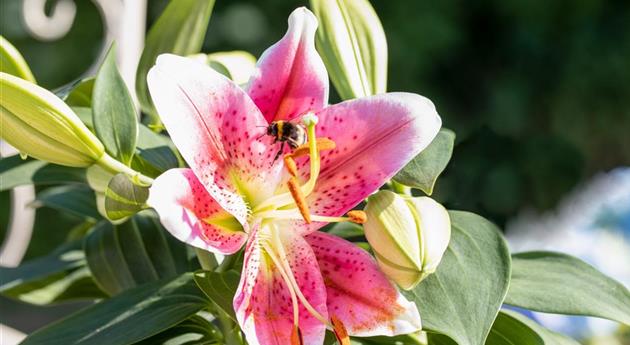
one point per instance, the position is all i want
(352, 44)
(12, 62)
(407, 234)
(39, 124)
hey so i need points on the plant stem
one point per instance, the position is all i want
(206, 259)
(113, 165)
(399, 188)
(231, 332)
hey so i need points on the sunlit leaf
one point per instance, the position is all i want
(15, 171)
(124, 197)
(127, 318)
(60, 276)
(559, 283)
(426, 167)
(74, 199)
(220, 288)
(133, 253)
(462, 298)
(113, 111)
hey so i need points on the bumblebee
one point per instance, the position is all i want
(287, 133)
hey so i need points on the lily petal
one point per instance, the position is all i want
(291, 78)
(376, 136)
(216, 127)
(359, 295)
(185, 209)
(263, 302)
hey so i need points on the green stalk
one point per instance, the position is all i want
(231, 332)
(108, 163)
(399, 188)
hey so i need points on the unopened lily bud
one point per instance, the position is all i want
(12, 62)
(409, 235)
(39, 124)
(352, 44)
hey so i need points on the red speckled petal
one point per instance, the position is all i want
(358, 293)
(216, 127)
(291, 78)
(376, 136)
(182, 202)
(263, 303)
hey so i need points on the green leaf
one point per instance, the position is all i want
(15, 171)
(462, 298)
(559, 283)
(155, 153)
(179, 30)
(426, 167)
(346, 230)
(60, 276)
(127, 318)
(352, 43)
(220, 288)
(12, 62)
(124, 197)
(237, 65)
(113, 111)
(195, 330)
(133, 253)
(74, 199)
(79, 93)
(507, 321)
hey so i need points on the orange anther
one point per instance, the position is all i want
(340, 331)
(299, 199)
(323, 144)
(296, 336)
(357, 216)
(290, 165)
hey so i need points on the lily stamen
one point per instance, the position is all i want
(283, 273)
(287, 267)
(300, 200)
(279, 259)
(323, 144)
(355, 216)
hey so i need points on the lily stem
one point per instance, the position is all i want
(231, 333)
(111, 164)
(400, 188)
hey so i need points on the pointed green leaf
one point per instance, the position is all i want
(562, 284)
(133, 253)
(15, 171)
(155, 153)
(195, 330)
(346, 230)
(114, 114)
(179, 30)
(462, 298)
(220, 288)
(508, 324)
(124, 197)
(426, 167)
(78, 93)
(60, 276)
(127, 318)
(78, 200)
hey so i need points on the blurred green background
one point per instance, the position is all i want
(537, 91)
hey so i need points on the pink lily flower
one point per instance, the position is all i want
(296, 281)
